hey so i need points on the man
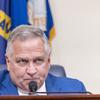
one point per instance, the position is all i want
(28, 59)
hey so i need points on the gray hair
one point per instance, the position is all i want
(25, 32)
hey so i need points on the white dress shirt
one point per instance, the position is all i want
(41, 89)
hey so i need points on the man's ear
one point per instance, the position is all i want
(49, 61)
(7, 62)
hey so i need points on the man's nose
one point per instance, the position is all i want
(31, 69)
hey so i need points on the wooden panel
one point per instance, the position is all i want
(64, 97)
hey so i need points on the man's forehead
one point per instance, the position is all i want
(31, 43)
(30, 56)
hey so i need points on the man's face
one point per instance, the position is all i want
(29, 62)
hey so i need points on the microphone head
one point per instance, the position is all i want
(33, 86)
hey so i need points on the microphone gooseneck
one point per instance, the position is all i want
(33, 86)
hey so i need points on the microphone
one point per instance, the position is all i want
(33, 86)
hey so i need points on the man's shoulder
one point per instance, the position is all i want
(64, 79)
(69, 80)
(68, 83)
(6, 85)
(3, 74)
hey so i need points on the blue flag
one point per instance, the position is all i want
(5, 24)
(18, 12)
(12, 14)
(49, 25)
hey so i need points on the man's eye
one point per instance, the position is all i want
(22, 61)
(39, 61)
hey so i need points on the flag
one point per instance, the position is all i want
(40, 16)
(50, 30)
(5, 23)
(18, 13)
(12, 14)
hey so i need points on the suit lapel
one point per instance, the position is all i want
(50, 84)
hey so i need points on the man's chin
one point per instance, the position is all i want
(23, 86)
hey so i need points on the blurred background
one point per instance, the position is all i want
(77, 42)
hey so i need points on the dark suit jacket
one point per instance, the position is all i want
(53, 84)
